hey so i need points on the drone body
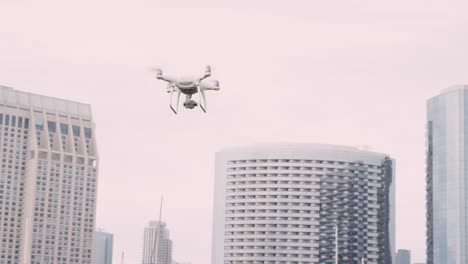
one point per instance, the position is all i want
(189, 86)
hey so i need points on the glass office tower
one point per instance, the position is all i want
(447, 171)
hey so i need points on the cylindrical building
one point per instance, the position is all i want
(283, 203)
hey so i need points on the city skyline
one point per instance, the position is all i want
(340, 72)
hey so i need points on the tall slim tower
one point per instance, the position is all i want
(103, 247)
(303, 203)
(48, 179)
(447, 177)
(403, 256)
(164, 254)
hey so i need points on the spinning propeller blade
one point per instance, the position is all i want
(157, 71)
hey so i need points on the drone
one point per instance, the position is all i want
(189, 86)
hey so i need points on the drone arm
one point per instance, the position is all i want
(206, 75)
(169, 79)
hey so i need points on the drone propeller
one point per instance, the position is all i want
(208, 69)
(215, 84)
(157, 71)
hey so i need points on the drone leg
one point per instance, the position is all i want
(202, 97)
(170, 104)
(178, 97)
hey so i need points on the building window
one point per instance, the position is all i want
(87, 131)
(39, 124)
(76, 131)
(64, 129)
(51, 126)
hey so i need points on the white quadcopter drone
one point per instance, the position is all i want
(189, 86)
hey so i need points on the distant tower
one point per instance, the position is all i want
(48, 179)
(149, 241)
(292, 203)
(403, 256)
(447, 177)
(103, 247)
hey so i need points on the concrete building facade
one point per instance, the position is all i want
(48, 179)
(303, 203)
(164, 254)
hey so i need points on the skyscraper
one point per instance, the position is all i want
(403, 256)
(48, 179)
(447, 177)
(103, 247)
(303, 203)
(164, 255)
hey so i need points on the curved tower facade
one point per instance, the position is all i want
(303, 203)
(447, 177)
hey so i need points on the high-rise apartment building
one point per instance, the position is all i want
(103, 247)
(48, 179)
(403, 256)
(303, 203)
(447, 177)
(164, 253)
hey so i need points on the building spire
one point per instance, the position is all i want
(155, 251)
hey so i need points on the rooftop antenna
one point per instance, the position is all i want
(155, 251)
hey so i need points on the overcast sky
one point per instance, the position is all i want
(340, 72)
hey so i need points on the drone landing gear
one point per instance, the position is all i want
(202, 100)
(177, 105)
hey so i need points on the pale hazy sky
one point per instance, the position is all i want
(341, 72)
